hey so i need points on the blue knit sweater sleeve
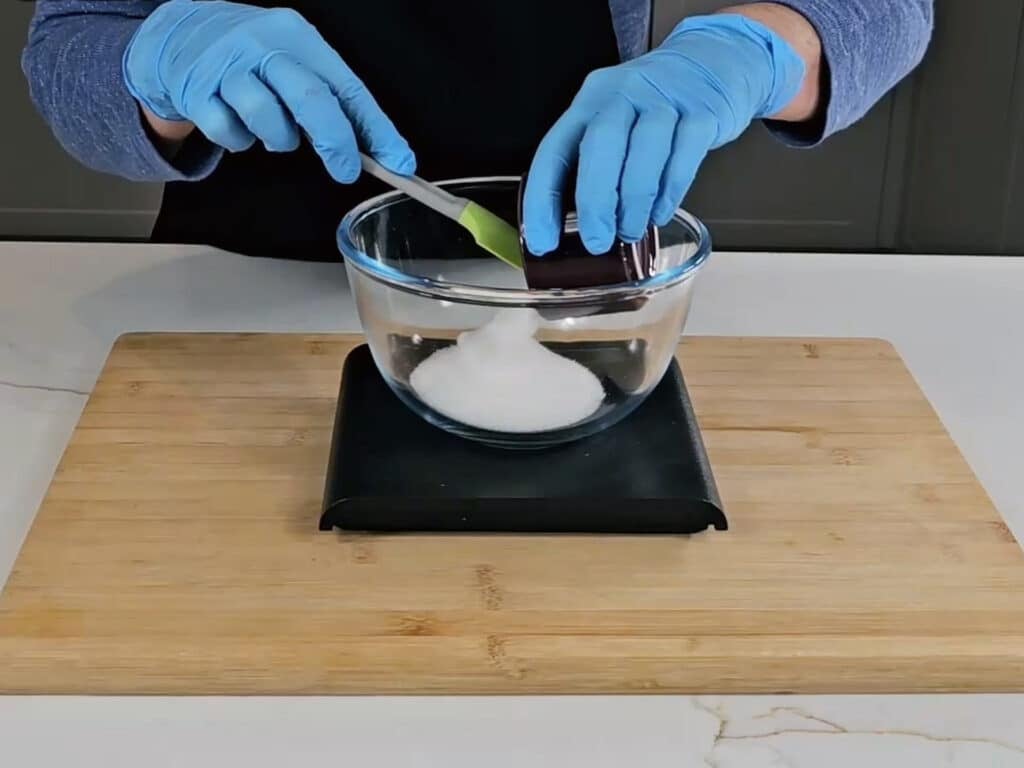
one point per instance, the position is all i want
(73, 65)
(869, 45)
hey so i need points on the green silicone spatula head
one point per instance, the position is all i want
(491, 232)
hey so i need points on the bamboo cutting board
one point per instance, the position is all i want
(177, 551)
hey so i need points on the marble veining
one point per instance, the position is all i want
(770, 736)
(43, 388)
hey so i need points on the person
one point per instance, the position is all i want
(255, 115)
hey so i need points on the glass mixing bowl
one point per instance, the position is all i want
(461, 340)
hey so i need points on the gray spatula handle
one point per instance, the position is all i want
(422, 191)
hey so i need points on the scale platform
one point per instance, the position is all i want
(391, 471)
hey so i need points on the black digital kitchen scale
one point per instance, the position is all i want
(391, 471)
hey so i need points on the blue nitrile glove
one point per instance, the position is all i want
(640, 130)
(242, 73)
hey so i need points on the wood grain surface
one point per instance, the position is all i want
(177, 551)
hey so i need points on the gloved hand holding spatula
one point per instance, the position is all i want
(243, 74)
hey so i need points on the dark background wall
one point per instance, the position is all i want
(936, 168)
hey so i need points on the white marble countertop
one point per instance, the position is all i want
(952, 319)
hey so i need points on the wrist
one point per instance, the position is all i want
(758, 68)
(167, 135)
(166, 130)
(798, 32)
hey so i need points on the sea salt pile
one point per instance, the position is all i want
(499, 377)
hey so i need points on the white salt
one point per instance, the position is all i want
(500, 378)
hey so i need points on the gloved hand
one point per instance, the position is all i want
(242, 73)
(640, 130)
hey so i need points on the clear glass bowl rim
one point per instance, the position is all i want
(511, 297)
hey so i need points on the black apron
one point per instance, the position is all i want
(473, 85)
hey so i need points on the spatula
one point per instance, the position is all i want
(491, 232)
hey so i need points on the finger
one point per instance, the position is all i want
(378, 134)
(318, 113)
(219, 123)
(650, 146)
(691, 144)
(602, 154)
(260, 109)
(542, 199)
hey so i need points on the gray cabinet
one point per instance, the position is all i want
(964, 175)
(938, 166)
(758, 193)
